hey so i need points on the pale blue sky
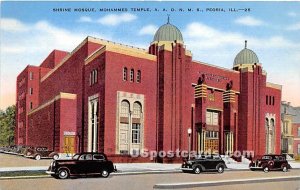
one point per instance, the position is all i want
(31, 30)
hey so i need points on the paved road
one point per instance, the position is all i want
(147, 181)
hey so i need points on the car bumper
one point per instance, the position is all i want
(186, 169)
(255, 167)
(50, 172)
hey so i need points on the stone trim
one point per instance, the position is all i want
(273, 85)
(61, 95)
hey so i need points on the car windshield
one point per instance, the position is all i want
(75, 157)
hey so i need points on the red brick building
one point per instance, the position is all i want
(110, 97)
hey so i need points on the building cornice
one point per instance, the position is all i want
(273, 85)
(61, 95)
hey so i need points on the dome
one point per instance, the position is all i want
(168, 32)
(246, 56)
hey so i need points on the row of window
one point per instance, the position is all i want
(94, 77)
(212, 134)
(270, 100)
(138, 75)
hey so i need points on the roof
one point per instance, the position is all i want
(246, 56)
(287, 109)
(168, 32)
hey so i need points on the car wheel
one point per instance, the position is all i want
(55, 157)
(284, 169)
(104, 173)
(37, 157)
(197, 170)
(63, 173)
(220, 169)
(266, 169)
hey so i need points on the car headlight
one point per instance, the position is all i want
(189, 162)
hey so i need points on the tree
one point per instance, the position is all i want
(7, 125)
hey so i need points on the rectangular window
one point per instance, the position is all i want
(267, 99)
(131, 75)
(31, 76)
(298, 131)
(212, 118)
(298, 148)
(30, 91)
(138, 76)
(124, 74)
(31, 105)
(136, 132)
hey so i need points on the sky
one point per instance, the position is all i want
(214, 31)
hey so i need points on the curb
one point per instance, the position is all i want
(223, 182)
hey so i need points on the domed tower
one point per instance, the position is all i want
(245, 58)
(251, 101)
(172, 63)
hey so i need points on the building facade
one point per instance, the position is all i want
(122, 100)
(290, 129)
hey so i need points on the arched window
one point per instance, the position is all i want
(124, 108)
(267, 122)
(136, 123)
(124, 74)
(137, 110)
(272, 123)
(131, 75)
(138, 76)
(95, 76)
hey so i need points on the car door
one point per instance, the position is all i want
(99, 162)
(84, 164)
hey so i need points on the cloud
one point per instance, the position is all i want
(12, 25)
(84, 19)
(114, 19)
(294, 27)
(292, 14)
(249, 21)
(30, 43)
(279, 56)
(148, 30)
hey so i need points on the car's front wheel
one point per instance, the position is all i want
(220, 169)
(197, 170)
(284, 168)
(37, 157)
(63, 173)
(266, 169)
(105, 173)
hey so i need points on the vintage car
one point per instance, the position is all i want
(202, 163)
(40, 152)
(89, 163)
(270, 162)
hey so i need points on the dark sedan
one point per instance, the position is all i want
(270, 162)
(90, 163)
(204, 163)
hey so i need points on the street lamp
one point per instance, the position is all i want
(189, 133)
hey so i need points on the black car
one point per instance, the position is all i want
(204, 163)
(89, 163)
(270, 162)
(40, 152)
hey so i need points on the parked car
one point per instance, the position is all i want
(89, 163)
(270, 162)
(40, 152)
(204, 163)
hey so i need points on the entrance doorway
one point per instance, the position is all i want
(93, 125)
(69, 144)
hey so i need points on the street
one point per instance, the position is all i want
(147, 181)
